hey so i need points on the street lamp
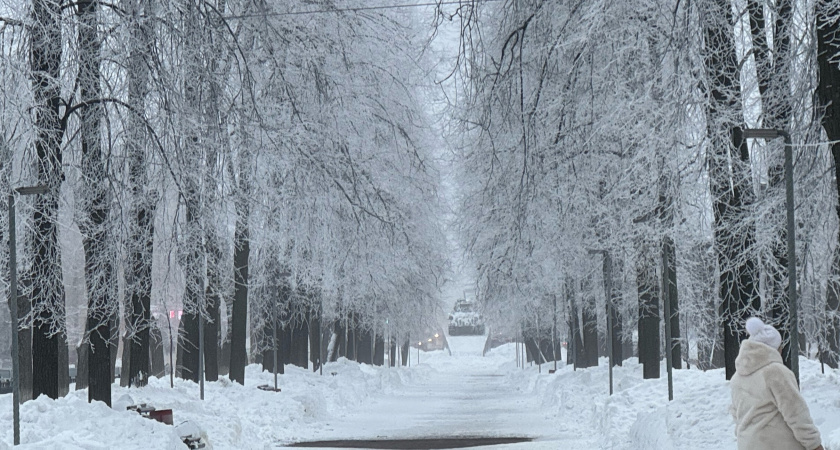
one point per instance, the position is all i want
(13, 312)
(770, 133)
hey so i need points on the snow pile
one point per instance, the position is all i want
(232, 416)
(639, 415)
(462, 394)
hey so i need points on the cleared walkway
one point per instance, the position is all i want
(461, 396)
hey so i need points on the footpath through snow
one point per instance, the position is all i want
(462, 394)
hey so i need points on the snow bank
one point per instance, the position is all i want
(232, 416)
(569, 406)
(639, 415)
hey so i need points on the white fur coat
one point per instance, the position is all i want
(769, 411)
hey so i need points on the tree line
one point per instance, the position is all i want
(234, 164)
(606, 172)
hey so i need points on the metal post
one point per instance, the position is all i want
(274, 347)
(791, 250)
(554, 333)
(321, 338)
(608, 289)
(14, 316)
(793, 325)
(201, 355)
(668, 344)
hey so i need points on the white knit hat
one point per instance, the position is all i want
(761, 332)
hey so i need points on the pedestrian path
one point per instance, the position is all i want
(463, 395)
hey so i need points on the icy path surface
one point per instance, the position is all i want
(460, 395)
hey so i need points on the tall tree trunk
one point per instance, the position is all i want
(157, 362)
(589, 328)
(772, 69)
(828, 93)
(95, 208)
(731, 190)
(379, 351)
(404, 351)
(315, 336)
(646, 281)
(49, 323)
(195, 168)
(213, 299)
(140, 241)
(669, 249)
(241, 254)
(613, 299)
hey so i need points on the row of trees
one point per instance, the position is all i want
(248, 163)
(606, 170)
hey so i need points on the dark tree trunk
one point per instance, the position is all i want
(47, 284)
(140, 244)
(404, 351)
(299, 355)
(340, 346)
(646, 281)
(392, 353)
(285, 335)
(352, 338)
(364, 346)
(82, 366)
(379, 351)
(613, 299)
(590, 335)
(575, 351)
(125, 380)
(828, 94)
(239, 308)
(224, 358)
(830, 350)
(189, 347)
(212, 299)
(533, 350)
(730, 190)
(776, 106)
(671, 257)
(156, 356)
(315, 341)
(95, 206)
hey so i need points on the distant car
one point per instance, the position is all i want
(5, 381)
(465, 320)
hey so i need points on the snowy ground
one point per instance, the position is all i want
(458, 395)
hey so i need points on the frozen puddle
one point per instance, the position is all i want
(422, 443)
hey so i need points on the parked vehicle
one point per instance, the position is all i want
(5, 381)
(465, 320)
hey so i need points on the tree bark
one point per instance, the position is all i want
(379, 351)
(241, 254)
(669, 249)
(828, 94)
(47, 282)
(140, 243)
(772, 69)
(731, 190)
(646, 281)
(156, 356)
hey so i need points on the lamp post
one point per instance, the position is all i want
(13, 312)
(793, 322)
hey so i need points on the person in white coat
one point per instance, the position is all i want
(768, 409)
